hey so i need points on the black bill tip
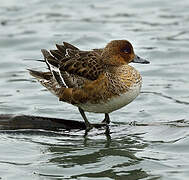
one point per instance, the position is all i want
(138, 59)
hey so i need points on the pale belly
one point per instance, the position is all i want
(113, 103)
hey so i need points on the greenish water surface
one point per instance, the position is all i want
(156, 146)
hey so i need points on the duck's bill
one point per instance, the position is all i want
(138, 59)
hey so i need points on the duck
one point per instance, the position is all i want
(98, 80)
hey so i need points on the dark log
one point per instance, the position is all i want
(14, 122)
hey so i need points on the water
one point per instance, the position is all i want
(154, 147)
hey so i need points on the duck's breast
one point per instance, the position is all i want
(113, 103)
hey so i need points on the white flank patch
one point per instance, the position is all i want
(114, 103)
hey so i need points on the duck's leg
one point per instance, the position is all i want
(89, 126)
(87, 123)
(106, 119)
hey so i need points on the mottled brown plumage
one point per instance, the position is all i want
(95, 80)
(70, 59)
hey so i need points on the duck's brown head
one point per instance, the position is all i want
(120, 52)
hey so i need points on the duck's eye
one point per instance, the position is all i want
(127, 49)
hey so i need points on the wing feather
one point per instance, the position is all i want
(68, 58)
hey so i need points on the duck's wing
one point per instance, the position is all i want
(71, 67)
(74, 76)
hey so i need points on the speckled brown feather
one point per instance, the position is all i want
(70, 59)
(84, 64)
(106, 86)
(89, 76)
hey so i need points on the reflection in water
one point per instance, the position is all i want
(113, 158)
(67, 154)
